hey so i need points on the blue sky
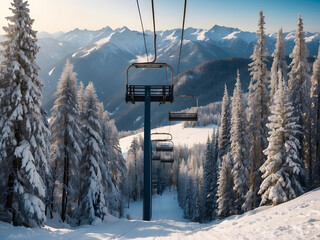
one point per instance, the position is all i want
(65, 15)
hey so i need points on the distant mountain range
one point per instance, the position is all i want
(102, 57)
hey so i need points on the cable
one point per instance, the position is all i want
(144, 37)
(154, 33)
(182, 32)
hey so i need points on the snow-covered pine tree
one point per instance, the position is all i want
(225, 191)
(315, 111)
(108, 184)
(299, 86)
(257, 116)
(208, 174)
(283, 165)
(66, 142)
(93, 204)
(279, 64)
(238, 147)
(182, 184)
(215, 176)
(115, 165)
(134, 161)
(224, 129)
(22, 144)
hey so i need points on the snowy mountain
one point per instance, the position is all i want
(296, 219)
(102, 56)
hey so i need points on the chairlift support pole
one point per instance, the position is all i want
(147, 163)
(148, 94)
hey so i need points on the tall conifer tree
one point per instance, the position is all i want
(238, 147)
(283, 166)
(299, 86)
(93, 204)
(225, 191)
(22, 143)
(315, 111)
(66, 140)
(224, 129)
(257, 115)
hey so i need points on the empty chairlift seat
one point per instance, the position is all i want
(164, 146)
(182, 115)
(167, 157)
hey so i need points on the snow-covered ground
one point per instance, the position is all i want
(180, 136)
(296, 219)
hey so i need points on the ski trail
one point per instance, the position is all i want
(122, 233)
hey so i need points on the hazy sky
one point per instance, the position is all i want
(65, 15)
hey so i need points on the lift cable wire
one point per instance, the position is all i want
(144, 36)
(182, 32)
(154, 33)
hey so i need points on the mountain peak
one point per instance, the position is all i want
(223, 28)
(123, 29)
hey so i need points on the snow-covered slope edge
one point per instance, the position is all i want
(296, 219)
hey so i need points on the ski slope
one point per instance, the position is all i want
(180, 136)
(296, 219)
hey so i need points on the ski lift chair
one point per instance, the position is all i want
(167, 157)
(158, 93)
(184, 116)
(164, 146)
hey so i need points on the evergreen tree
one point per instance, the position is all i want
(257, 115)
(315, 110)
(279, 64)
(115, 165)
(299, 86)
(134, 162)
(224, 129)
(93, 204)
(283, 166)
(208, 187)
(66, 141)
(225, 191)
(238, 147)
(22, 144)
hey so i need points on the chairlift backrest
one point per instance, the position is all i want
(161, 137)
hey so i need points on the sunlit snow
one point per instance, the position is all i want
(296, 219)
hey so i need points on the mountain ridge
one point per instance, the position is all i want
(102, 56)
